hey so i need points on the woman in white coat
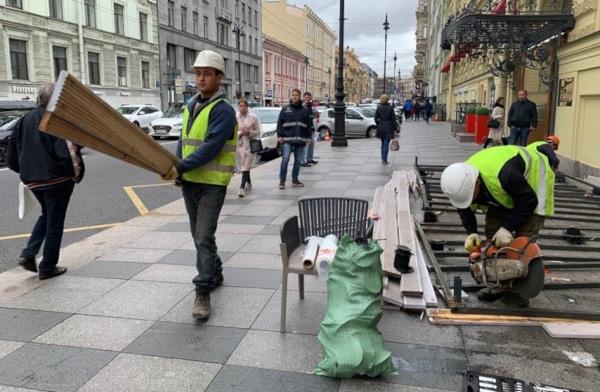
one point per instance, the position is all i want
(496, 135)
(248, 128)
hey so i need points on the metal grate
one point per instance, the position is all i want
(474, 382)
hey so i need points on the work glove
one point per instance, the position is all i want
(502, 238)
(473, 242)
(171, 175)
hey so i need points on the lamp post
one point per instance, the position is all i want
(386, 27)
(339, 135)
(395, 87)
(239, 32)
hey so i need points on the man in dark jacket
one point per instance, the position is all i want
(310, 149)
(522, 119)
(385, 118)
(293, 133)
(49, 167)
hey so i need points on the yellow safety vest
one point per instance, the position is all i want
(218, 171)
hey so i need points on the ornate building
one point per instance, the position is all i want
(284, 69)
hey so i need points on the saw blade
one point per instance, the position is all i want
(531, 285)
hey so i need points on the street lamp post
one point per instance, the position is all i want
(239, 32)
(395, 87)
(339, 135)
(386, 27)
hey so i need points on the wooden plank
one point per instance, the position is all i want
(392, 293)
(446, 316)
(428, 292)
(378, 208)
(391, 234)
(573, 330)
(413, 303)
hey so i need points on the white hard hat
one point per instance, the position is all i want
(210, 59)
(458, 183)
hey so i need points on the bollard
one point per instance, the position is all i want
(457, 289)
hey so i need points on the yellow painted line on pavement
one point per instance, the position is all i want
(135, 199)
(71, 230)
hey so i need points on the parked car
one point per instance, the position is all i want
(268, 128)
(357, 124)
(169, 125)
(10, 112)
(140, 115)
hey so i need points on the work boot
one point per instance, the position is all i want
(28, 263)
(296, 183)
(281, 184)
(55, 272)
(241, 192)
(201, 309)
(515, 300)
(489, 294)
(313, 162)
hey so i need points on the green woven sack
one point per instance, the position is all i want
(351, 343)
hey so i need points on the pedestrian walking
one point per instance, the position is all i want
(49, 166)
(387, 126)
(310, 148)
(209, 137)
(293, 133)
(522, 119)
(408, 108)
(427, 110)
(496, 133)
(249, 128)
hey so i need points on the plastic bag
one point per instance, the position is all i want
(349, 338)
(325, 255)
(27, 201)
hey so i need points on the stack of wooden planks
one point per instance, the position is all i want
(75, 113)
(395, 226)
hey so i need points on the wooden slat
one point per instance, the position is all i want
(429, 296)
(573, 330)
(378, 208)
(445, 316)
(391, 233)
(413, 303)
(392, 293)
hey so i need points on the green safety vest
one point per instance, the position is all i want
(218, 171)
(538, 173)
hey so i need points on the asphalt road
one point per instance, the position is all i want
(98, 199)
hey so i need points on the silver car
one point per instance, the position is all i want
(358, 124)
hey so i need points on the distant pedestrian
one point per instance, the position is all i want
(496, 134)
(310, 148)
(522, 119)
(387, 126)
(49, 166)
(427, 110)
(408, 109)
(293, 133)
(248, 128)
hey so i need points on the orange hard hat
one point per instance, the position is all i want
(554, 140)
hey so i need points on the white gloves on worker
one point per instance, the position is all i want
(473, 242)
(171, 175)
(502, 238)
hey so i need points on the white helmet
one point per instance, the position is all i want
(458, 183)
(210, 59)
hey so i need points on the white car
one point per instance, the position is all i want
(169, 125)
(140, 115)
(268, 127)
(357, 123)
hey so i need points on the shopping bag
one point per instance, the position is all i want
(255, 146)
(27, 201)
(394, 145)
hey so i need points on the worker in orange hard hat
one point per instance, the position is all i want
(547, 148)
(554, 141)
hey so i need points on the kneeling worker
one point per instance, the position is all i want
(513, 185)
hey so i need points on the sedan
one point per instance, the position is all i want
(140, 115)
(169, 125)
(267, 116)
(357, 123)
(10, 112)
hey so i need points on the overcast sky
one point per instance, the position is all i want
(364, 29)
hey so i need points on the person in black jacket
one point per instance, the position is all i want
(49, 166)
(293, 133)
(385, 118)
(310, 149)
(522, 119)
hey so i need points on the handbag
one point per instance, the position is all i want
(493, 123)
(255, 146)
(394, 145)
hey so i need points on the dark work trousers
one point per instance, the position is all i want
(203, 203)
(496, 216)
(49, 226)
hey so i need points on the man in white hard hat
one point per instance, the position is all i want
(513, 185)
(207, 149)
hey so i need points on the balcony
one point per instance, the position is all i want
(223, 14)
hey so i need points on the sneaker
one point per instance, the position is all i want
(305, 164)
(297, 183)
(248, 187)
(55, 272)
(241, 192)
(312, 161)
(201, 309)
(28, 263)
(385, 163)
(489, 294)
(281, 184)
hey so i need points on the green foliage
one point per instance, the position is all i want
(483, 111)
(472, 110)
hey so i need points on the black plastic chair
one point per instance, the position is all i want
(318, 216)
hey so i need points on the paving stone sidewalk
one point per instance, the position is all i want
(120, 319)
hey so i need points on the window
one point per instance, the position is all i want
(243, 41)
(94, 67)
(255, 74)
(250, 44)
(145, 74)
(59, 55)
(195, 21)
(237, 9)
(171, 56)
(171, 14)
(237, 70)
(222, 34)
(118, 19)
(183, 19)
(244, 12)
(18, 59)
(14, 3)
(255, 45)
(205, 27)
(256, 18)
(248, 69)
(55, 9)
(122, 71)
(189, 55)
(143, 26)
(90, 12)
(250, 16)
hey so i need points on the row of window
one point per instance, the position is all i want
(243, 14)
(284, 68)
(20, 70)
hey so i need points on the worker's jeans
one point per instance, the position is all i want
(518, 136)
(49, 226)
(286, 152)
(496, 216)
(203, 203)
(385, 149)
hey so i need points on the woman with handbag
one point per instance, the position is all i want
(248, 129)
(495, 125)
(385, 118)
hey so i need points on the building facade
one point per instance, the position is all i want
(284, 69)
(302, 29)
(112, 47)
(370, 81)
(421, 33)
(435, 55)
(231, 28)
